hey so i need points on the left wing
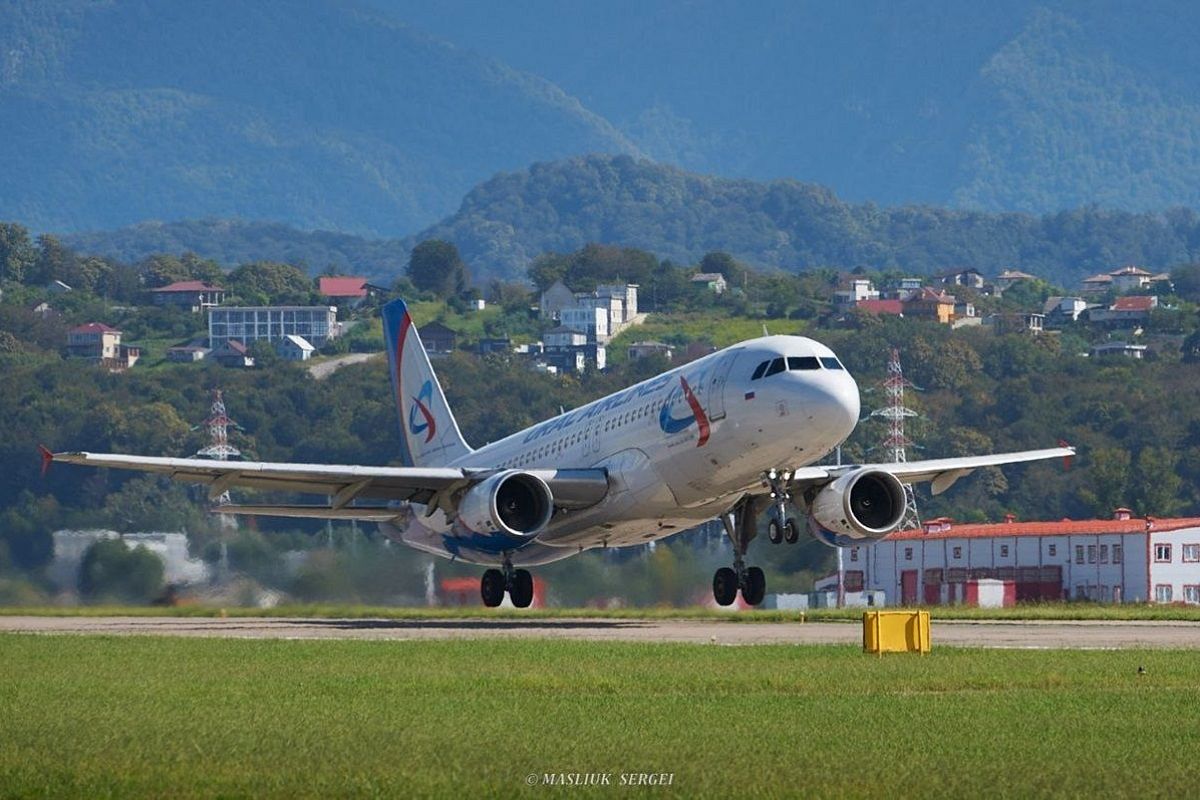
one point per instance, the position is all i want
(571, 488)
(940, 472)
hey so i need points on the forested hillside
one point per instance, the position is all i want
(322, 114)
(560, 206)
(1034, 105)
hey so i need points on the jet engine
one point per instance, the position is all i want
(861, 505)
(513, 503)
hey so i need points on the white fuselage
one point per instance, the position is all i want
(679, 448)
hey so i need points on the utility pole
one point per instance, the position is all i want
(219, 449)
(896, 442)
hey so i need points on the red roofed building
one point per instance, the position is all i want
(341, 287)
(1120, 560)
(881, 307)
(930, 304)
(1129, 310)
(196, 295)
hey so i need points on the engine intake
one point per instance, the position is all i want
(863, 504)
(514, 503)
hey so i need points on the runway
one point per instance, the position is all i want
(952, 633)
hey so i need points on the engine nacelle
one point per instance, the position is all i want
(861, 505)
(513, 503)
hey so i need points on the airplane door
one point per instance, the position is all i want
(716, 385)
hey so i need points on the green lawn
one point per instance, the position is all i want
(1047, 611)
(99, 716)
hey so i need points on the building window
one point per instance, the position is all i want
(854, 554)
(908, 554)
(1162, 593)
(1078, 554)
(1103, 554)
(1091, 553)
(1191, 594)
(1191, 552)
(958, 552)
(1162, 553)
(1116, 554)
(1052, 550)
(1004, 551)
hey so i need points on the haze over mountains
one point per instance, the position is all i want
(377, 119)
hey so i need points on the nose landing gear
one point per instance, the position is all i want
(517, 582)
(781, 527)
(739, 525)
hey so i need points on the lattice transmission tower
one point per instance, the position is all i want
(896, 442)
(219, 448)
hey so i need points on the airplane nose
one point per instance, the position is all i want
(839, 405)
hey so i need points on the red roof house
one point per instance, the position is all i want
(343, 287)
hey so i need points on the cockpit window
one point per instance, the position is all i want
(759, 370)
(831, 363)
(803, 362)
(775, 368)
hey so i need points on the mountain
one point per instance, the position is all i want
(315, 113)
(1034, 105)
(506, 222)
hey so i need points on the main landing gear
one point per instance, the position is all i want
(781, 527)
(517, 582)
(739, 525)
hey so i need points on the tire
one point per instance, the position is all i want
(774, 532)
(756, 587)
(491, 587)
(521, 592)
(791, 532)
(725, 586)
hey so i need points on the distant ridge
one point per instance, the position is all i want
(507, 221)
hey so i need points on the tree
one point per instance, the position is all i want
(1156, 482)
(54, 260)
(267, 282)
(736, 273)
(17, 255)
(110, 570)
(436, 267)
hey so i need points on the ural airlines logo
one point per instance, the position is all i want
(671, 425)
(425, 423)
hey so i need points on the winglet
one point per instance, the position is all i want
(47, 458)
(1067, 459)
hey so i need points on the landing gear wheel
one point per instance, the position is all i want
(791, 532)
(521, 591)
(725, 586)
(756, 586)
(774, 532)
(491, 587)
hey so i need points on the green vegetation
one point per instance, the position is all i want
(111, 570)
(86, 716)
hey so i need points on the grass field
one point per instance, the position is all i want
(1048, 611)
(99, 716)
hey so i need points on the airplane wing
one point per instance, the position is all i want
(571, 488)
(940, 472)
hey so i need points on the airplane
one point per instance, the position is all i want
(729, 436)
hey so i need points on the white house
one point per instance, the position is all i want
(590, 319)
(293, 347)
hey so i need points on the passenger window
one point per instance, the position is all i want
(759, 370)
(803, 363)
(775, 368)
(831, 363)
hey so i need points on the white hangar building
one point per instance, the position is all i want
(1120, 560)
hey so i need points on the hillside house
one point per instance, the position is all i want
(317, 324)
(1060, 311)
(711, 281)
(295, 348)
(1125, 312)
(232, 354)
(192, 295)
(970, 278)
(555, 299)
(1119, 350)
(100, 344)
(1016, 322)
(860, 290)
(647, 349)
(438, 339)
(1011, 277)
(931, 304)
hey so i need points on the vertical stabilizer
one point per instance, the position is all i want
(429, 435)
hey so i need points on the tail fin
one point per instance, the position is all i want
(429, 436)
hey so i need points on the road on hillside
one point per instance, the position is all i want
(324, 369)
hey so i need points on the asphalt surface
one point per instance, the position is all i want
(956, 633)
